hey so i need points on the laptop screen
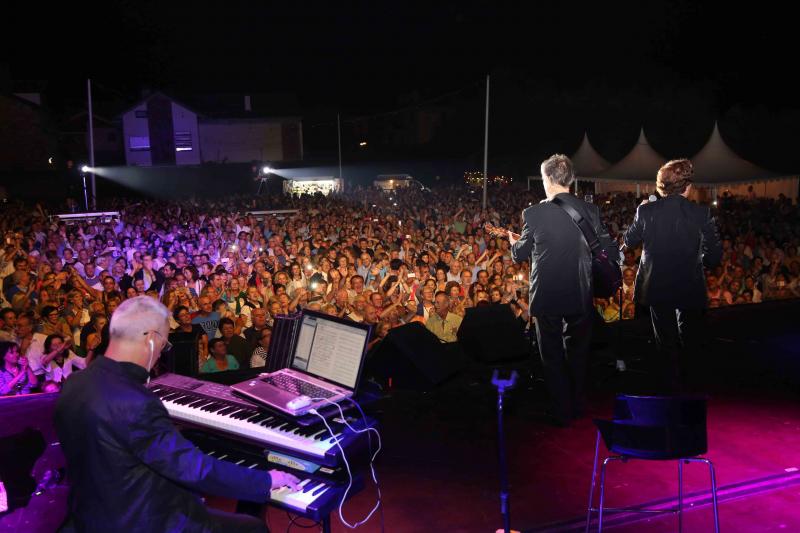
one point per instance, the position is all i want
(331, 348)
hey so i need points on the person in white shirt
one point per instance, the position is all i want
(455, 270)
(31, 344)
(58, 360)
(259, 357)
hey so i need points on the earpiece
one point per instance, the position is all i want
(152, 344)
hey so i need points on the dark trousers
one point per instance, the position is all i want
(217, 521)
(564, 348)
(228, 522)
(677, 334)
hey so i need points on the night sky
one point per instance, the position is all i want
(557, 68)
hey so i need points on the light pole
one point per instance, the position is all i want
(486, 146)
(339, 135)
(91, 146)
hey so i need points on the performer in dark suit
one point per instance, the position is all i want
(561, 285)
(129, 468)
(680, 238)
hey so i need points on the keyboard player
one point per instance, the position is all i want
(130, 469)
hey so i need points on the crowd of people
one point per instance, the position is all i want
(383, 258)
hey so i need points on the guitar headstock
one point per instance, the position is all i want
(494, 231)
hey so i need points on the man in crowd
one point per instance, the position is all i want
(442, 322)
(234, 344)
(252, 335)
(206, 317)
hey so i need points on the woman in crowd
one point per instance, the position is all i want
(259, 357)
(441, 279)
(453, 290)
(58, 361)
(219, 361)
(193, 282)
(52, 322)
(16, 377)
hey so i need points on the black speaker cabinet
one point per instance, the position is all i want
(492, 334)
(413, 358)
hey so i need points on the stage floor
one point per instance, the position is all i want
(438, 470)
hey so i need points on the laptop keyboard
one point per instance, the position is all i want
(298, 386)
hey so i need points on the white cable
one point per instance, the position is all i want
(347, 464)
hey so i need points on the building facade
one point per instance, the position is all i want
(161, 131)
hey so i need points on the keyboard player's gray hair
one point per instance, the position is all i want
(136, 316)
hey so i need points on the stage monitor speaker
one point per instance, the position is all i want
(413, 358)
(492, 334)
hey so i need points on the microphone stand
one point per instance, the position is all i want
(502, 385)
(621, 367)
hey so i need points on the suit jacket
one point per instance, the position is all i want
(158, 282)
(125, 282)
(679, 238)
(129, 468)
(561, 261)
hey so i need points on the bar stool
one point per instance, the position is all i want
(653, 428)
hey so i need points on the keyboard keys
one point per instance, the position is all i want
(241, 420)
(307, 492)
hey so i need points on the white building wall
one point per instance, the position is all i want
(241, 141)
(184, 120)
(135, 127)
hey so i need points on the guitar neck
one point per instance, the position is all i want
(501, 233)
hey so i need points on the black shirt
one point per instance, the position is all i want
(240, 349)
(182, 359)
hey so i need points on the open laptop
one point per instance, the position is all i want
(327, 362)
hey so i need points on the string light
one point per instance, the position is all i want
(474, 178)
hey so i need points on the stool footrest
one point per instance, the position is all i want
(634, 510)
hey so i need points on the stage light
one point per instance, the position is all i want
(266, 170)
(362, 143)
(85, 168)
(714, 203)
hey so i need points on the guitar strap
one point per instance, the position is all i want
(586, 228)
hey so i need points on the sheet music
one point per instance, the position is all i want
(330, 350)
